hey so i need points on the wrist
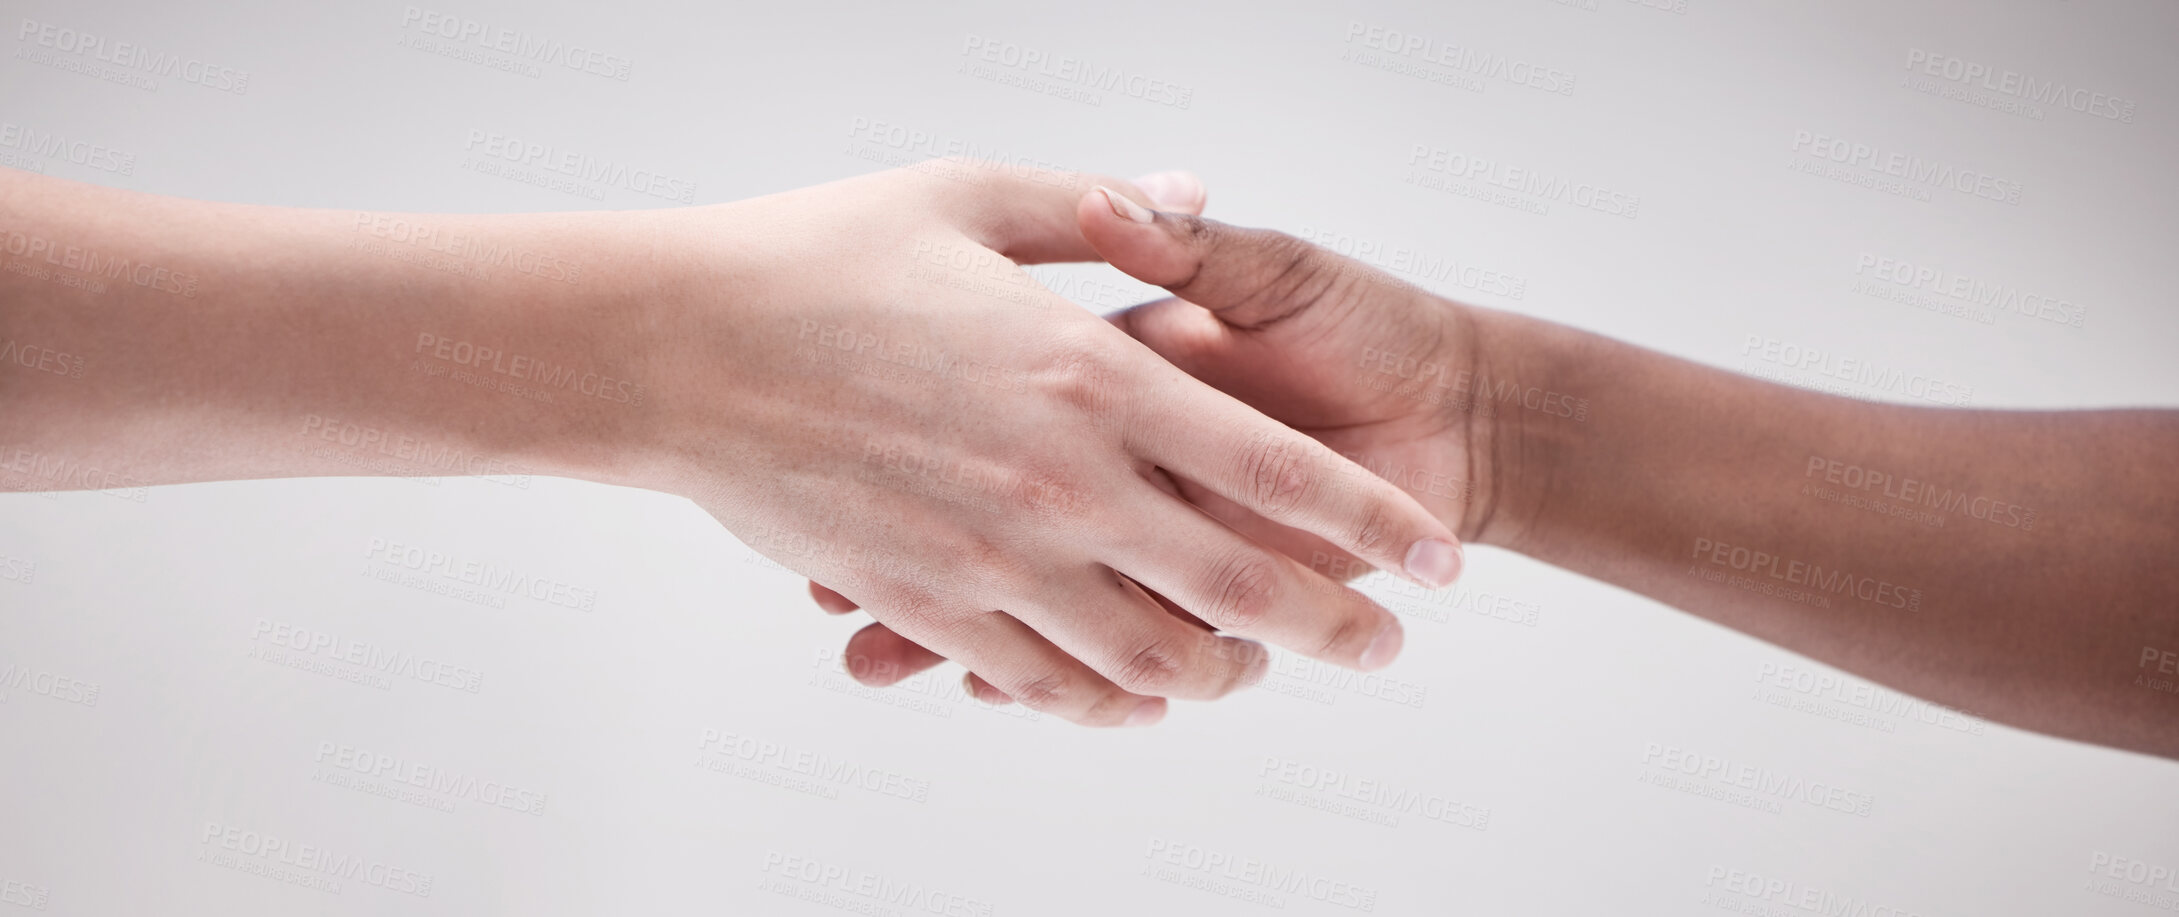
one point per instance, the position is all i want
(558, 372)
(1525, 409)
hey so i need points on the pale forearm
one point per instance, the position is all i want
(822, 370)
(217, 341)
(2013, 564)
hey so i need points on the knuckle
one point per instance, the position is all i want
(1285, 251)
(906, 598)
(994, 562)
(980, 566)
(1197, 232)
(1041, 492)
(1241, 593)
(1291, 274)
(1083, 375)
(1277, 473)
(1150, 669)
(1372, 531)
(1350, 631)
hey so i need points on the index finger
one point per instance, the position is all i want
(1225, 446)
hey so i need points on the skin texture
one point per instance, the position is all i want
(854, 378)
(2026, 569)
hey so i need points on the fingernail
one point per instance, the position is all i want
(1173, 190)
(1147, 713)
(1123, 207)
(1382, 647)
(1434, 561)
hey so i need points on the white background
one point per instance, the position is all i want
(169, 600)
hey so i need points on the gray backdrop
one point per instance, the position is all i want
(224, 695)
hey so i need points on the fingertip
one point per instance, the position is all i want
(1140, 242)
(1175, 190)
(878, 657)
(1434, 562)
(1257, 666)
(1147, 713)
(832, 602)
(1385, 646)
(1125, 207)
(982, 690)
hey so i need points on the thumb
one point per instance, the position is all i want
(1026, 214)
(1249, 299)
(1251, 279)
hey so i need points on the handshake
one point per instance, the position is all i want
(1092, 516)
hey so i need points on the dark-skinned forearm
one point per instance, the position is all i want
(2020, 565)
